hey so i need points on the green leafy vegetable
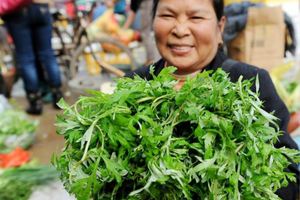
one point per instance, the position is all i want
(209, 140)
(16, 122)
(16, 129)
(18, 183)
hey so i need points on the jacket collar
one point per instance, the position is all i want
(217, 62)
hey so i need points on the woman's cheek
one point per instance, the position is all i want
(162, 27)
(160, 38)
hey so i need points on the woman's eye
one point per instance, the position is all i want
(166, 15)
(196, 17)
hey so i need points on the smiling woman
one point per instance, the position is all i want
(189, 36)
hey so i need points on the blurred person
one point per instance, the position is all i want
(108, 24)
(99, 8)
(98, 11)
(31, 30)
(120, 7)
(144, 7)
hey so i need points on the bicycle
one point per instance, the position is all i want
(85, 57)
(7, 63)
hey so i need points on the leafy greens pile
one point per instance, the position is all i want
(19, 183)
(16, 122)
(209, 140)
(16, 129)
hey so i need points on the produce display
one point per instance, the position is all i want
(289, 92)
(15, 158)
(19, 175)
(19, 183)
(209, 140)
(16, 129)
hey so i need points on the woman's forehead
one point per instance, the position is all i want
(188, 5)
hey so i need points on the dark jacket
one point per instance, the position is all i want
(135, 5)
(268, 95)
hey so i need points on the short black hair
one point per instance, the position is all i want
(218, 7)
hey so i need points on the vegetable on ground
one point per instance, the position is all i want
(19, 183)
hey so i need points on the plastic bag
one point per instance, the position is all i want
(3, 103)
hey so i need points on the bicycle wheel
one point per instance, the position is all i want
(102, 53)
(99, 62)
(62, 45)
(7, 64)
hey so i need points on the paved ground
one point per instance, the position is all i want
(52, 191)
(47, 141)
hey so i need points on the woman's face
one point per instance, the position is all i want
(187, 33)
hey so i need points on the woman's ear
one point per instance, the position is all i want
(222, 23)
(221, 26)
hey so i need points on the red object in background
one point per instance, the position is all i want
(294, 122)
(70, 9)
(9, 6)
(15, 158)
(137, 36)
(9, 39)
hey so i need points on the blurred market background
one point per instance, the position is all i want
(93, 50)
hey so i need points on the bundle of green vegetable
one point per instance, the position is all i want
(16, 129)
(18, 183)
(209, 140)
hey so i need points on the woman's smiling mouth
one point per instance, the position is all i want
(180, 50)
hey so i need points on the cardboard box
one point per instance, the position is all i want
(261, 43)
(227, 2)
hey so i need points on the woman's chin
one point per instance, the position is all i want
(184, 70)
(181, 64)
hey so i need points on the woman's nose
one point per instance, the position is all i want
(181, 29)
